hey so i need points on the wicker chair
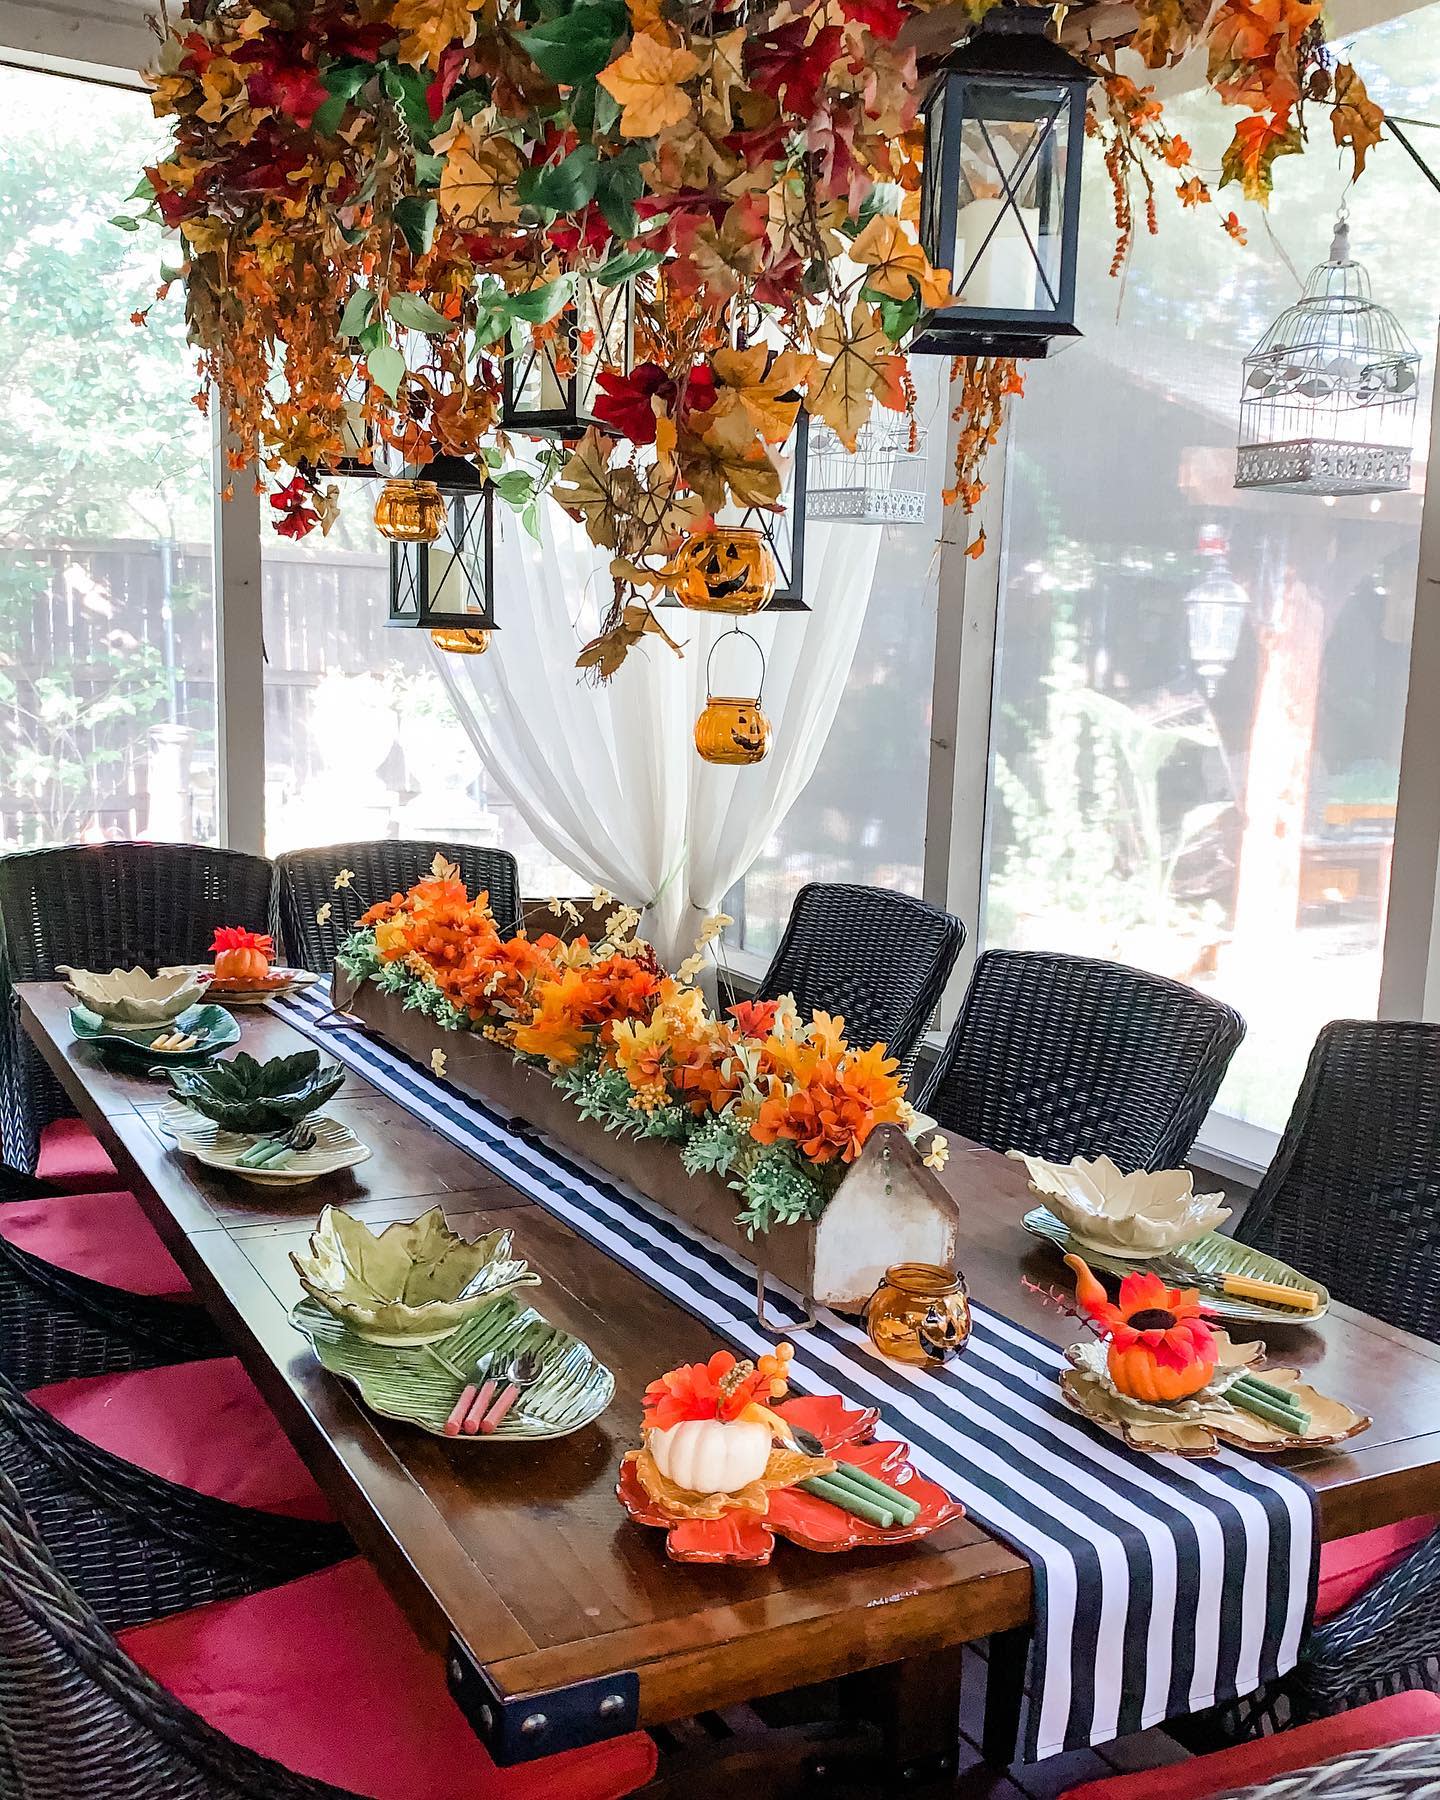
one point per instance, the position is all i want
(137, 1547)
(1353, 1198)
(1063, 1056)
(879, 958)
(78, 1717)
(1353, 1194)
(96, 907)
(382, 867)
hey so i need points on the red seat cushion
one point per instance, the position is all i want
(72, 1157)
(1382, 1722)
(325, 1676)
(104, 1236)
(1350, 1565)
(201, 1424)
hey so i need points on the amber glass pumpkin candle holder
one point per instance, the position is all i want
(410, 512)
(724, 570)
(460, 642)
(732, 731)
(919, 1314)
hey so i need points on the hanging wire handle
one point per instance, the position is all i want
(725, 638)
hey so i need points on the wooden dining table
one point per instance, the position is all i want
(560, 1620)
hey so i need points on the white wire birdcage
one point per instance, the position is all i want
(1328, 401)
(880, 482)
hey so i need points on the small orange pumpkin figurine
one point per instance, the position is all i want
(1161, 1349)
(241, 955)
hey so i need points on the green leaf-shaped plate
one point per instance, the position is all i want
(421, 1385)
(1209, 1255)
(216, 1029)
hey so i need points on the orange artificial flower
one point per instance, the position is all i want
(719, 1389)
(1167, 1321)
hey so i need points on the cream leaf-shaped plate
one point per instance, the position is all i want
(1142, 1215)
(131, 997)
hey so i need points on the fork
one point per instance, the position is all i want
(270, 1153)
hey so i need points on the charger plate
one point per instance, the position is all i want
(279, 982)
(1211, 1254)
(336, 1148)
(420, 1385)
(216, 1029)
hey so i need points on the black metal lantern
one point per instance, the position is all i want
(449, 585)
(551, 381)
(1000, 198)
(784, 531)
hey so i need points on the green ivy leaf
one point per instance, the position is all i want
(143, 189)
(626, 263)
(416, 314)
(540, 304)
(428, 168)
(359, 309)
(896, 316)
(123, 222)
(515, 487)
(618, 186)
(563, 187)
(386, 367)
(416, 219)
(408, 88)
(575, 48)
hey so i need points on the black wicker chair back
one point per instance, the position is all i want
(1064, 1056)
(99, 907)
(78, 1717)
(381, 868)
(1353, 1194)
(879, 958)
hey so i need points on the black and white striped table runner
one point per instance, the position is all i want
(1161, 1586)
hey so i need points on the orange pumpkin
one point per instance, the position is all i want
(1161, 1348)
(241, 955)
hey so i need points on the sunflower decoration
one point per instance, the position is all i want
(1161, 1347)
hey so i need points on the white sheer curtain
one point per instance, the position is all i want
(607, 777)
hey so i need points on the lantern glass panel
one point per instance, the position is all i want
(552, 379)
(1009, 198)
(784, 530)
(450, 583)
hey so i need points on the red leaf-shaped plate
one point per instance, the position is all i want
(742, 1536)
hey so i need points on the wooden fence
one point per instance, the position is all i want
(91, 672)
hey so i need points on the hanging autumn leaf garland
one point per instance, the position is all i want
(373, 195)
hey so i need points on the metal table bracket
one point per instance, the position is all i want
(524, 1728)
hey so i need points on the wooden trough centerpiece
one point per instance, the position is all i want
(889, 1208)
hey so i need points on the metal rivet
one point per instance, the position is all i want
(457, 1670)
(612, 1704)
(534, 1724)
(487, 1719)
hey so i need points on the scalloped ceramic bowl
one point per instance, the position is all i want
(131, 997)
(413, 1283)
(1139, 1216)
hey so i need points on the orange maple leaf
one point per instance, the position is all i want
(646, 80)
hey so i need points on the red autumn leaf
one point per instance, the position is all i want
(291, 88)
(882, 18)
(790, 70)
(1251, 154)
(624, 401)
(452, 61)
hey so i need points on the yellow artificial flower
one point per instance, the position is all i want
(437, 1062)
(712, 927)
(322, 914)
(938, 1154)
(344, 878)
(690, 968)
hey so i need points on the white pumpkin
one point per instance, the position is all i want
(712, 1456)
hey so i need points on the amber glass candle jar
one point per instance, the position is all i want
(409, 511)
(460, 642)
(919, 1314)
(732, 731)
(724, 571)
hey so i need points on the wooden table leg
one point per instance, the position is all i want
(1005, 1695)
(916, 1705)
